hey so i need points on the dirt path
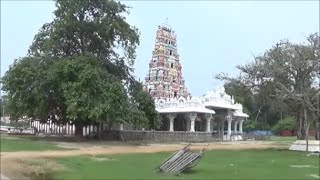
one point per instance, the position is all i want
(12, 161)
(152, 148)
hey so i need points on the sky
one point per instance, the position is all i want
(212, 36)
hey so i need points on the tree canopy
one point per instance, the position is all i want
(286, 78)
(79, 69)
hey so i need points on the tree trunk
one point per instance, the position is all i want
(259, 110)
(78, 130)
(301, 133)
(100, 130)
(317, 129)
(317, 125)
(307, 139)
(306, 128)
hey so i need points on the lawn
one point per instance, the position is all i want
(286, 141)
(219, 164)
(287, 138)
(25, 144)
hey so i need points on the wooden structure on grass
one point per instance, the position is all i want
(180, 161)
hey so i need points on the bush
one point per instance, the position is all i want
(287, 124)
(250, 125)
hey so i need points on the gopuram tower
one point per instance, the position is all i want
(164, 79)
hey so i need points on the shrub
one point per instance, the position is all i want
(287, 123)
(250, 125)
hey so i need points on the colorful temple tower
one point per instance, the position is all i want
(164, 79)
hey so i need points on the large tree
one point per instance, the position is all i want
(79, 67)
(144, 103)
(292, 70)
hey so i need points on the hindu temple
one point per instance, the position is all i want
(164, 79)
(182, 112)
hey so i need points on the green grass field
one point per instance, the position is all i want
(25, 144)
(285, 141)
(219, 164)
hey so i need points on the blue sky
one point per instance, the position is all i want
(212, 36)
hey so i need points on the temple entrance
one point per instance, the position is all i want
(165, 125)
(200, 125)
(180, 123)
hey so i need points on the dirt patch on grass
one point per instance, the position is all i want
(12, 168)
(152, 148)
(315, 176)
(23, 168)
(303, 166)
(9, 137)
(103, 159)
(38, 167)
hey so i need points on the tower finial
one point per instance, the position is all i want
(167, 21)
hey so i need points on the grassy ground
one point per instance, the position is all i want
(218, 164)
(10, 144)
(286, 141)
(287, 138)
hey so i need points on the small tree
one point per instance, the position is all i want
(287, 123)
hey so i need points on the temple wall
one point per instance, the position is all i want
(160, 136)
(176, 136)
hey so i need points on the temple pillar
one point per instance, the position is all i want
(187, 125)
(235, 126)
(192, 117)
(240, 126)
(222, 127)
(208, 118)
(171, 117)
(212, 123)
(229, 120)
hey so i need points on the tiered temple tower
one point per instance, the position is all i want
(164, 79)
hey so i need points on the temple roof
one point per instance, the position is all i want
(182, 105)
(218, 98)
(212, 99)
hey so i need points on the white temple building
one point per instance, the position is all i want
(204, 114)
(181, 112)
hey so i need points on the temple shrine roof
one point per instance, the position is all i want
(212, 99)
(182, 105)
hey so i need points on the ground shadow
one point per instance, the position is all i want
(191, 171)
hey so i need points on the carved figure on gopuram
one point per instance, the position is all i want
(164, 79)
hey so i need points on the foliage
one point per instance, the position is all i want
(262, 111)
(1, 107)
(249, 125)
(90, 27)
(21, 82)
(144, 103)
(78, 69)
(284, 79)
(288, 123)
(5, 111)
